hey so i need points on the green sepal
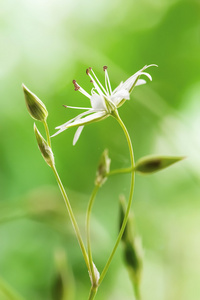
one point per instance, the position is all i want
(151, 164)
(35, 106)
(103, 168)
(44, 148)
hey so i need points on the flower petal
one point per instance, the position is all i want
(119, 95)
(77, 134)
(97, 102)
(94, 117)
(140, 82)
(77, 117)
(132, 81)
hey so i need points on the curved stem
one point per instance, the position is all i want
(89, 209)
(72, 218)
(120, 171)
(116, 115)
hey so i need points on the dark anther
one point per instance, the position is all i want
(105, 67)
(76, 86)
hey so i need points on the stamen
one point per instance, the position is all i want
(75, 107)
(100, 85)
(76, 86)
(87, 71)
(80, 89)
(107, 81)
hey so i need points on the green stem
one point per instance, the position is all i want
(89, 209)
(9, 292)
(72, 218)
(93, 292)
(116, 115)
(120, 171)
(47, 133)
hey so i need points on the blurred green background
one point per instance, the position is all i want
(46, 44)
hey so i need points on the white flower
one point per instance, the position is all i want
(104, 101)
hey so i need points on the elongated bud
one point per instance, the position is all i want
(44, 148)
(149, 164)
(35, 106)
(132, 249)
(96, 275)
(103, 168)
(122, 210)
(133, 255)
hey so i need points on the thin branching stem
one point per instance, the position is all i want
(72, 217)
(88, 215)
(116, 115)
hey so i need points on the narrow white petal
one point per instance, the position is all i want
(77, 107)
(140, 82)
(77, 134)
(77, 117)
(118, 87)
(133, 80)
(119, 95)
(93, 117)
(146, 74)
(97, 102)
(88, 119)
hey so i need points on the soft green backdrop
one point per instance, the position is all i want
(46, 44)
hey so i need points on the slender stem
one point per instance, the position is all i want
(116, 115)
(89, 209)
(93, 292)
(47, 133)
(9, 292)
(120, 171)
(71, 215)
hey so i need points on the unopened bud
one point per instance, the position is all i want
(149, 164)
(132, 249)
(35, 106)
(133, 254)
(44, 148)
(103, 168)
(96, 276)
(122, 210)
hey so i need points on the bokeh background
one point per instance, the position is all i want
(47, 44)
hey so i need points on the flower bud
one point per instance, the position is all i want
(132, 249)
(96, 275)
(35, 106)
(122, 210)
(149, 164)
(103, 168)
(44, 148)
